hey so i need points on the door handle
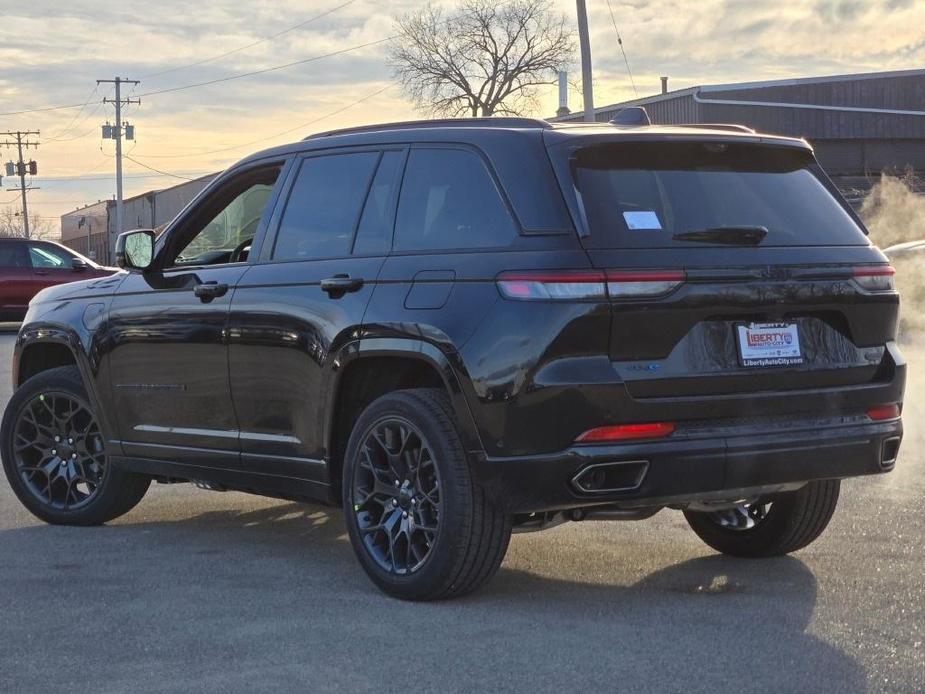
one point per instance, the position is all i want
(209, 290)
(40, 272)
(339, 285)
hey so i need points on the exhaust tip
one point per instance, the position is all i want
(602, 478)
(889, 451)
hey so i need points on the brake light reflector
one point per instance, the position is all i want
(556, 284)
(874, 278)
(879, 413)
(627, 432)
(639, 283)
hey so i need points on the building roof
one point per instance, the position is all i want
(93, 208)
(782, 86)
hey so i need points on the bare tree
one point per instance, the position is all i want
(481, 59)
(11, 224)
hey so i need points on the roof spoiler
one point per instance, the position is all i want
(734, 127)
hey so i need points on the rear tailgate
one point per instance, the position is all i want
(733, 268)
(691, 341)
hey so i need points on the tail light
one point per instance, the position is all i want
(581, 284)
(879, 413)
(627, 432)
(569, 285)
(874, 278)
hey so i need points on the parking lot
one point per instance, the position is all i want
(198, 591)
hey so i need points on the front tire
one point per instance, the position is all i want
(54, 454)
(769, 527)
(421, 527)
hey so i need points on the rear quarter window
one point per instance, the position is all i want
(642, 195)
(449, 201)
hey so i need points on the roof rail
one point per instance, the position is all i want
(486, 122)
(735, 127)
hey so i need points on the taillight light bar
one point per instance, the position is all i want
(627, 432)
(874, 278)
(636, 283)
(562, 284)
(588, 284)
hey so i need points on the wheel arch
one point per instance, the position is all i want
(40, 356)
(367, 369)
(43, 347)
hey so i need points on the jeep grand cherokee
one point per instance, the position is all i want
(459, 329)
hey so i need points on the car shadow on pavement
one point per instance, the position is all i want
(202, 588)
(726, 619)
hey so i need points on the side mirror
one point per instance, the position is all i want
(78, 264)
(135, 249)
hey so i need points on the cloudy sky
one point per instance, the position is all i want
(51, 53)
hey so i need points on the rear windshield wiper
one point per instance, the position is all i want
(733, 236)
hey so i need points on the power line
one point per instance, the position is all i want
(275, 135)
(41, 110)
(620, 41)
(73, 120)
(80, 178)
(92, 130)
(162, 173)
(267, 69)
(215, 81)
(59, 202)
(251, 45)
(59, 137)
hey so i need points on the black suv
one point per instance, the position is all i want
(459, 329)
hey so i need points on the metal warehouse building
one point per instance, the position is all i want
(92, 229)
(859, 125)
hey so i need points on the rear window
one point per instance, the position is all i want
(643, 195)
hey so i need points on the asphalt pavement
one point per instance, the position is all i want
(198, 591)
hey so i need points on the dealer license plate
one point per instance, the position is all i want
(769, 344)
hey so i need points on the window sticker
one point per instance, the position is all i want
(642, 220)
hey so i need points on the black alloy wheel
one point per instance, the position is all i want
(54, 454)
(397, 495)
(742, 517)
(770, 526)
(58, 451)
(420, 521)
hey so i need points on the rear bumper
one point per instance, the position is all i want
(697, 463)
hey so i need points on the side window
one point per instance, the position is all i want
(374, 234)
(449, 200)
(324, 206)
(225, 224)
(47, 257)
(13, 254)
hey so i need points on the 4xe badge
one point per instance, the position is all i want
(769, 344)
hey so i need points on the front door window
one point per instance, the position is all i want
(222, 230)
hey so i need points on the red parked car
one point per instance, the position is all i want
(28, 266)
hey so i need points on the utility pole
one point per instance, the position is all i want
(585, 43)
(21, 167)
(116, 134)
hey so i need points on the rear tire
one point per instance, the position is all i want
(793, 521)
(54, 454)
(421, 527)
